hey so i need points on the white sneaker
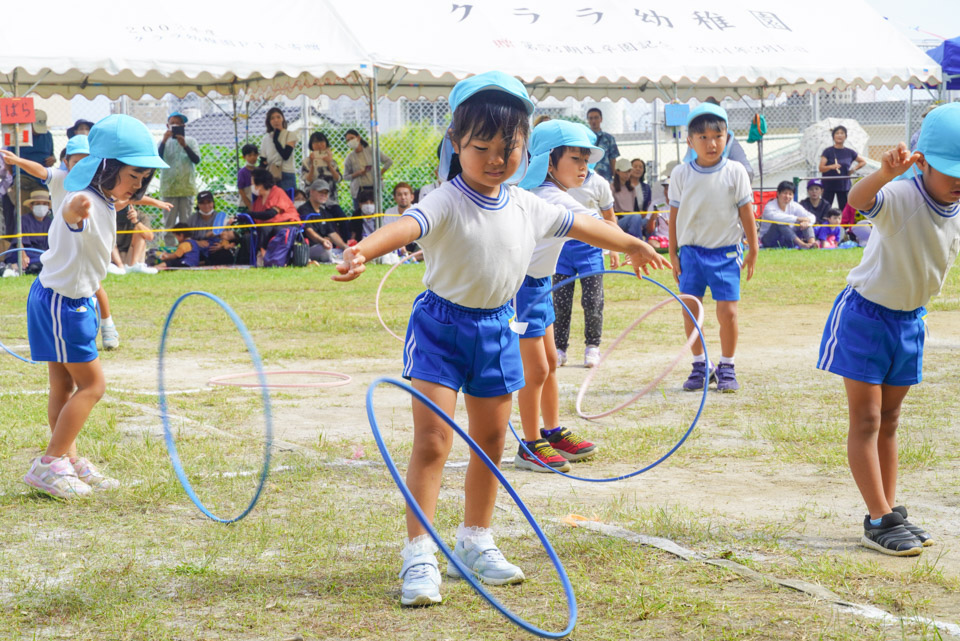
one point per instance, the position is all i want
(487, 562)
(141, 268)
(9, 271)
(116, 270)
(561, 358)
(110, 336)
(591, 357)
(57, 478)
(89, 474)
(420, 574)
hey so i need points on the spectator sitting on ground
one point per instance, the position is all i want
(205, 216)
(271, 205)
(830, 237)
(178, 182)
(624, 194)
(426, 189)
(606, 142)
(319, 164)
(251, 156)
(299, 198)
(130, 250)
(779, 217)
(813, 203)
(366, 206)
(187, 253)
(403, 196)
(321, 235)
(224, 251)
(638, 174)
(277, 147)
(38, 222)
(857, 226)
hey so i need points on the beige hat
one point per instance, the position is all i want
(38, 196)
(623, 164)
(40, 125)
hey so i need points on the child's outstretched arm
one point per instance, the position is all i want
(599, 234)
(77, 210)
(863, 195)
(749, 224)
(383, 241)
(35, 169)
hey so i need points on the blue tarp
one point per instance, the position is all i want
(947, 56)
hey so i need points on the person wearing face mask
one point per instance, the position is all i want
(38, 222)
(358, 167)
(361, 227)
(206, 216)
(270, 205)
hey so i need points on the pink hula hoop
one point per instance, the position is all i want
(633, 399)
(340, 379)
(414, 255)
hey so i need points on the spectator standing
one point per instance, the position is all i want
(606, 142)
(837, 163)
(814, 203)
(178, 184)
(638, 174)
(319, 164)
(250, 156)
(321, 235)
(779, 217)
(42, 153)
(277, 147)
(426, 189)
(80, 128)
(358, 167)
(624, 195)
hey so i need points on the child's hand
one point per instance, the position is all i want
(644, 255)
(750, 262)
(675, 264)
(614, 260)
(352, 265)
(897, 161)
(78, 209)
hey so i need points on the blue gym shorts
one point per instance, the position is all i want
(60, 329)
(717, 268)
(538, 318)
(871, 343)
(579, 258)
(462, 348)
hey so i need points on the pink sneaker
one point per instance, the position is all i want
(89, 474)
(56, 478)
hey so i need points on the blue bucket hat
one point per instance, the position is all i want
(180, 116)
(549, 135)
(79, 144)
(116, 137)
(939, 140)
(488, 81)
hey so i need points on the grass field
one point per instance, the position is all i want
(759, 499)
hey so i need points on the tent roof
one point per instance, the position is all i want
(609, 49)
(947, 55)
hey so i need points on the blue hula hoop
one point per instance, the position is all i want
(2, 346)
(703, 398)
(168, 433)
(466, 573)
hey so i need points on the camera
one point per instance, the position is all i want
(178, 130)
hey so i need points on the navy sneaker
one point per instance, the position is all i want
(697, 377)
(726, 378)
(915, 530)
(890, 537)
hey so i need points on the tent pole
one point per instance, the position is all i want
(656, 141)
(909, 115)
(16, 213)
(375, 137)
(236, 129)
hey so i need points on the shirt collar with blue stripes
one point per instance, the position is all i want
(947, 211)
(96, 192)
(708, 170)
(484, 202)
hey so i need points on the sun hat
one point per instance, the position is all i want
(79, 144)
(177, 114)
(488, 81)
(940, 139)
(708, 108)
(623, 164)
(320, 185)
(549, 135)
(40, 124)
(39, 195)
(117, 137)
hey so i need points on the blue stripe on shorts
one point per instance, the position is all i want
(60, 329)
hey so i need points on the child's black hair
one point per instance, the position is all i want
(702, 123)
(833, 211)
(786, 185)
(557, 153)
(487, 113)
(364, 195)
(262, 177)
(248, 149)
(177, 229)
(108, 174)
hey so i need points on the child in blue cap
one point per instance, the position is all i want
(711, 209)
(62, 317)
(875, 332)
(477, 236)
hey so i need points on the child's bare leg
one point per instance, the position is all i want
(432, 440)
(891, 401)
(103, 302)
(727, 317)
(690, 328)
(550, 393)
(535, 372)
(90, 388)
(61, 389)
(488, 427)
(138, 250)
(115, 257)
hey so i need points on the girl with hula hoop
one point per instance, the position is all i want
(477, 236)
(62, 314)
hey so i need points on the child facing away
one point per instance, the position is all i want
(187, 253)
(711, 208)
(478, 236)
(62, 316)
(830, 233)
(874, 334)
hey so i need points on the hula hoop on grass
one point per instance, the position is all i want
(227, 380)
(703, 398)
(2, 346)
(418, 512)
(656, 379)
(414, 256)
(168, 433)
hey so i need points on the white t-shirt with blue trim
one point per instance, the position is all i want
(477, 248)
(594, 193)
(543, 263)
(54, 182)
(78, 256)
(911, 248)
(708, 200)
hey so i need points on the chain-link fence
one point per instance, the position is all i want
(410, 131)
